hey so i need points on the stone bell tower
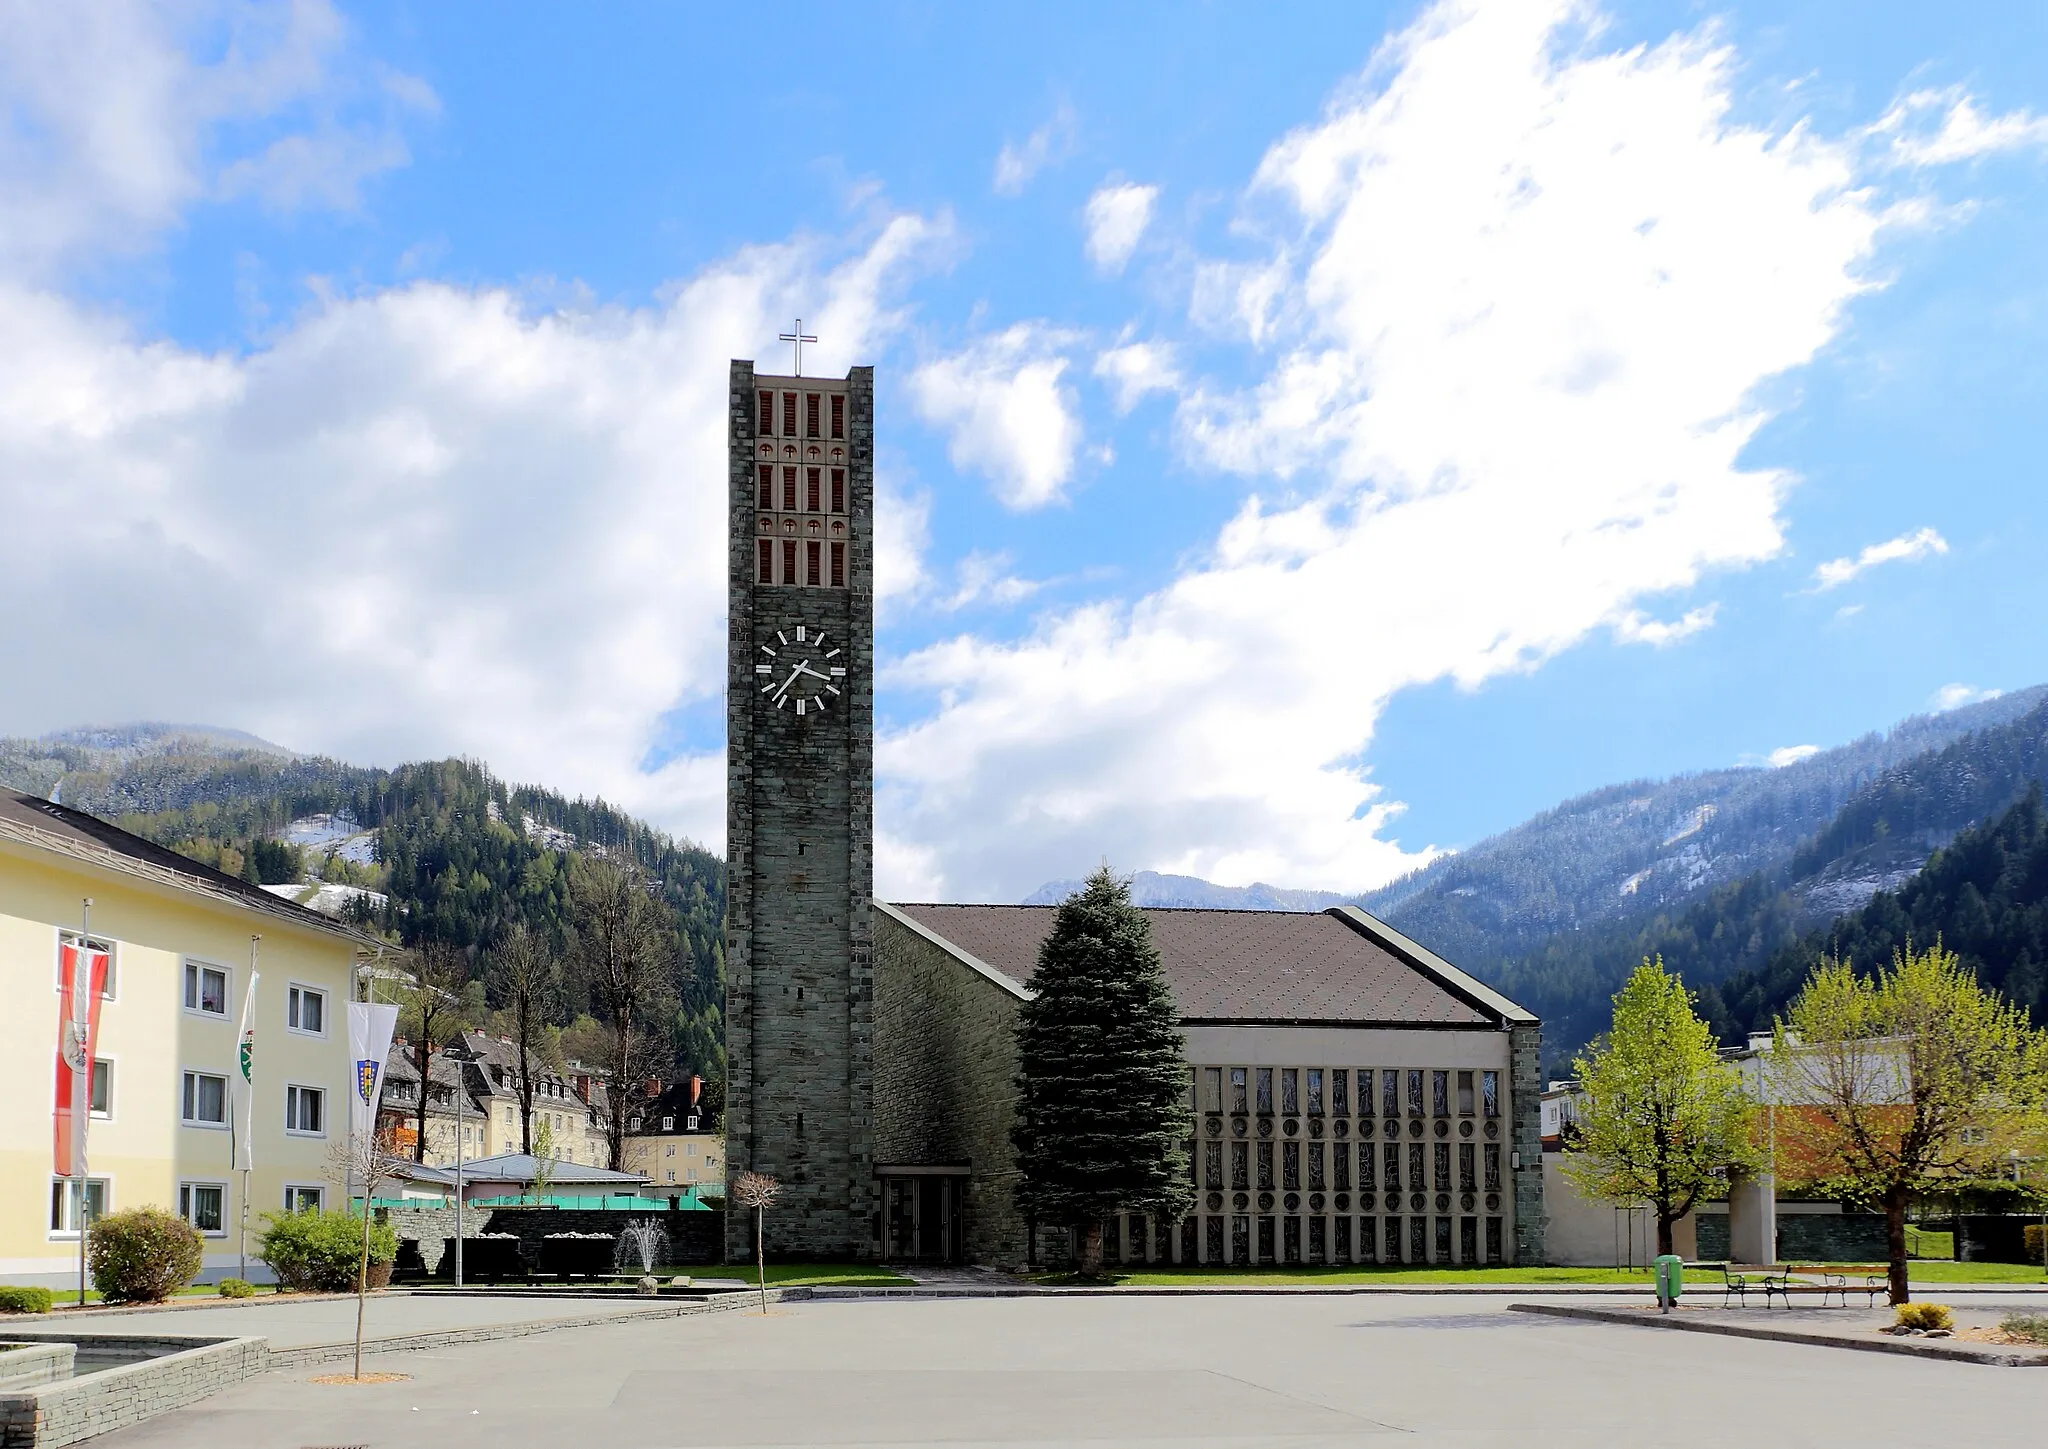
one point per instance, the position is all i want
(799, 808)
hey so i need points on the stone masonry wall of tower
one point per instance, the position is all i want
(799, 809)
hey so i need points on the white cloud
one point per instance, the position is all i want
(902, 534)
(115, 115)
(1955, 696)
(1017, 164)
(1138, 368)
(1007, 412)
(424, 521)
(1636, 627)
(1117, 215)
(1941, 127)
(1518, 297)
(1778, 759)
(986, 578)
(1906, 548)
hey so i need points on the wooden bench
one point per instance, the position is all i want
(1799, 1282)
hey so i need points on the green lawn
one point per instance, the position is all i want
(1338, 1277)
(1922, 1272)
(813, 1275)
(1922, 1243)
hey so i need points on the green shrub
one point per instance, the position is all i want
(2034, 1233)
(26, 1300)
(237, 1288)
(1924, 1315)
(318, 1252)
(143, 1255)
(2028, 1327)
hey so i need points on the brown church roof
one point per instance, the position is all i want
(1274, 966)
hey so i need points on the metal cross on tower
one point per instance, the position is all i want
(797, 339)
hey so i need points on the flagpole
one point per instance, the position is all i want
(81, 1096)
(245, 1151)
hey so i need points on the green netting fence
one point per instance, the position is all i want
(615, 1202)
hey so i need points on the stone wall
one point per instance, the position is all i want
(1525, 1086)
(185, 1371)
(945, 1070)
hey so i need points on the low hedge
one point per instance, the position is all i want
(319, 1251)
(237, 1288)
(143, 1255)
(26, 1300)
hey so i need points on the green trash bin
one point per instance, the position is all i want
(1669, 1271)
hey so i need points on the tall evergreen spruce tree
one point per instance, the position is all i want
(1102, 1077)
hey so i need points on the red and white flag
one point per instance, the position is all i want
(82, 974)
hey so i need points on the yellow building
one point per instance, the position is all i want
(179, 939)
(673, 1141)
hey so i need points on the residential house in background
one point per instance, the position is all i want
(476, 1082)
(674, 1140)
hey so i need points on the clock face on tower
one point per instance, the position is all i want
(801, 670)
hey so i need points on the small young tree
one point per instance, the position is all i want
(367, 1160)
(1663, 1118)
(1892, 1086)
(433, 1007)
(757, 1190)
(624, 959)
(1102, 1078)
(528, 980)
(543, 1160)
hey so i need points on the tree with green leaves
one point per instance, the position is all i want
(1902, 1083)
(1663, 1119)
(1102, 1078)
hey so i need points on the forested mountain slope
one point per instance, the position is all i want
(1630, 852)
(1740, 942)
(458, 854)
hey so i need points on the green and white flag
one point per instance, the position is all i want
(245, 1086)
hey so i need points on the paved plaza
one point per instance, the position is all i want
(1297, 1371)
(291, 1322)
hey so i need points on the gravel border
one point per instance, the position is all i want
(1951, 1349)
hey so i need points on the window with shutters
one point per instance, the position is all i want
(789, 560)
(789, 490)
(811, 563)
(838, 415)
(839, 490)
(810, 415)
(767, 491)
(838, 565)
(789, 415)
(767, 562)
(811, 502)
(767, 412)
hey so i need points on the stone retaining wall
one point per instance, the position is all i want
(187, 1370)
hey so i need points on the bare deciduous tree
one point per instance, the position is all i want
(364, 1159)
(757, 1190)
(528, 980)
(433, 1008)
(624, 959)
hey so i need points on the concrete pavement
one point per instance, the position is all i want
(1227, 1373)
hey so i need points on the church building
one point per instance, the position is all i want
(1355, 1098)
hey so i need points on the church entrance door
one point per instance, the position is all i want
(921, 1217)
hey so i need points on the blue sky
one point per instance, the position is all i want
(1309, 438)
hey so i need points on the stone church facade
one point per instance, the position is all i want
(1356, 1098)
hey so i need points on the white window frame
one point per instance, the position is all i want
(64, 934)
(292, 1095)
(319, 1191)
(194, 974)
(294, 994)
(185, 1195)
(227, 1100)
(98, 1061)
(106, 1186)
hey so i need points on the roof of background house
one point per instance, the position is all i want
(1335, 966)
(91, 840)
(520, 1167)
(674, 1104)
